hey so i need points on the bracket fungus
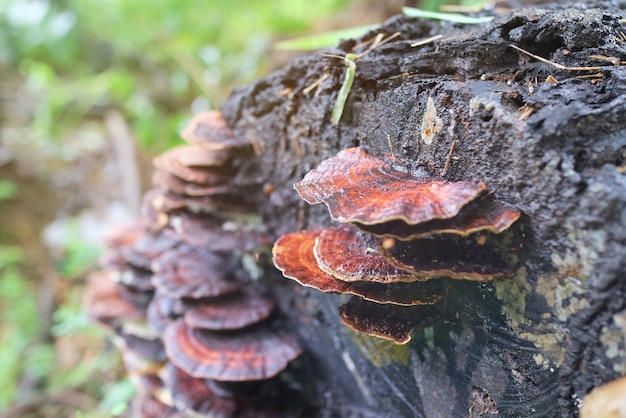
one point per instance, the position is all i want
(254, 354)
(229, 312)
(293, 255)
(390, 322)
(415, 232)
(176, 291)
(357, 187)
(194, 272)
(209, 130)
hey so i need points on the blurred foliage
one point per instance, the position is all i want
(150, 59)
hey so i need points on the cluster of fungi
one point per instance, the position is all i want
(401, 234)
(198, 335)
(201, 338)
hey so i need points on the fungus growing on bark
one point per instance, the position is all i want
(169, 182)
(255, 353)
(194, 272)
(214, 233)
(414, 228)
(390, 322)
(209, 130)
(357, 187)
(103, 301)
(476, 257)
(479, 215)
(350, 255)
(190, 393)
(228, 312)
(293, 255)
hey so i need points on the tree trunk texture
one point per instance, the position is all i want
(530, 345)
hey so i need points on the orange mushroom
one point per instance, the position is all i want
(293, 255)
(350, 255)
(480, 215)
(357, 187)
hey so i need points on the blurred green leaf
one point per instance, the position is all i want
(323, 40)
(117, 397)
(8, 189)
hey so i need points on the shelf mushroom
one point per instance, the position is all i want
(255, 353)
(177, 274)
(413, 231)
(293, 255)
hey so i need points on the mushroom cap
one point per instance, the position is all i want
(228, 312)
(390, 322)
(479, 215)
(476, 257)
(194, 272)
(170, 201)
(191, 393)
(357, 187)
(199, 175)
(163, 310)
(209, 130)
(103, 301)
(147, 347)
(137, 297)
(293, 255)
(169, 182)
(250, 354)
(210, 232)
(195, 156)
(146, 405)
(136, 277)
(135, 245)
(351, 255)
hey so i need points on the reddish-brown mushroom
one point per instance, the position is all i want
(193, 156)
(351, 255)
(228, 312)
(213, 233)
(103, 301)
(293, 255)
(476, 257)
(480, 215)
(209, 130)
(195, 273)
(163, 310)
(194, 394)
(390, 322)
(357, 187)
(206, 176)
(169, 182)
(251, 354)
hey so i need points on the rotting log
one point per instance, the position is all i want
(550, 142)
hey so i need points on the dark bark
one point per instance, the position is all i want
(531, 345)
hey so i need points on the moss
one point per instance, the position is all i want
(553, 338)
(381, 352)
(513, 293)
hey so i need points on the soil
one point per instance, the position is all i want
(548, 141)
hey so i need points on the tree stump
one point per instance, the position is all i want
(550, 141)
